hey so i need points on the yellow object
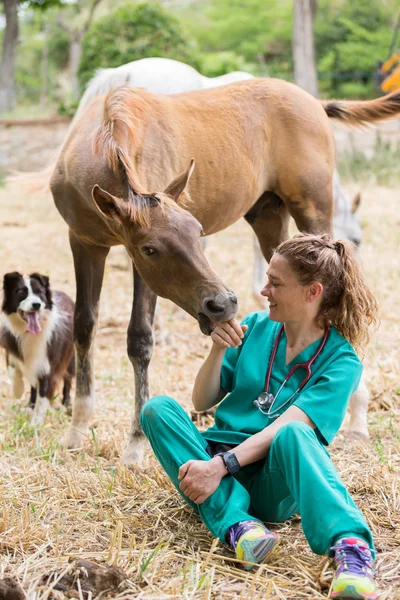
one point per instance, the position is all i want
(390, 71)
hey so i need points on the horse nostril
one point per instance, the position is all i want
(213, 307)
(233, 298)
(35, 305)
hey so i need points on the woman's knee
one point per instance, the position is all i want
(156, 409)
(293, 432)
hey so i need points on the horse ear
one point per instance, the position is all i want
(178, 185)
(356, 202)
(110, 206)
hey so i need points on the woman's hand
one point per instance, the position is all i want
(228, 334)
(200, 478)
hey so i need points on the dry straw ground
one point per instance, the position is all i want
(58, 506)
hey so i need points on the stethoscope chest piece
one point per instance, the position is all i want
(264, 400)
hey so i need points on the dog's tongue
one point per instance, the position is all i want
(33, 322)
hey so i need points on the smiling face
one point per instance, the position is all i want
(289, 301)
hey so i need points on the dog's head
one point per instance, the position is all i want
(27, 299)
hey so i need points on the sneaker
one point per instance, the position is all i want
(252, 542)
(354, 577)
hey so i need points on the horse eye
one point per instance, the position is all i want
(148, 250)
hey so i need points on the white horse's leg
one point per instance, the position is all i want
(358, 426)
(259, 274)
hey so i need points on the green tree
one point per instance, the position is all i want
(10, 42)
(131, 33)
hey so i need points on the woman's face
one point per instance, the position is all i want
(286, 296)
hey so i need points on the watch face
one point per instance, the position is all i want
(232, 463)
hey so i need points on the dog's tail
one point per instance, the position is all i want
(363, 111)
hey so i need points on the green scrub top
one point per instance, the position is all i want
(335, 376)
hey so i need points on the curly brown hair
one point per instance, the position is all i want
(347, 302)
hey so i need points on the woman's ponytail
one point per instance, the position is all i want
(347, 302)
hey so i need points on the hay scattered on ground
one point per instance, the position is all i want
(60, 507)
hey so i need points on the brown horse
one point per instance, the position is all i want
(263, 149)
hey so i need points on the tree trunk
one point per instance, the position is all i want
(305, 71)
(7, 66)
(44, 67)
(75, 51)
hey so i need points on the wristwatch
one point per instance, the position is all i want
(230, 461)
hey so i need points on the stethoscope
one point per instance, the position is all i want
(266, 401)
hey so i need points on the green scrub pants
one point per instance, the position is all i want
(297, 476)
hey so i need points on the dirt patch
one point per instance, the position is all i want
(10, 589)
(88, 579)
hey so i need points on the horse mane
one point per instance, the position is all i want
(120, 128)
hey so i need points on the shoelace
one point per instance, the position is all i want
(237, 530)
(353, 558)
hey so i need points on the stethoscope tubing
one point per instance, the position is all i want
(307, 366)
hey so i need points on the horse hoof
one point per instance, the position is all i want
(357, 436)
(134, 452)
(74, 439)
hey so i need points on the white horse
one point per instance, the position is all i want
(166, 76)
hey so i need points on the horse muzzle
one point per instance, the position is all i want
(217, 309)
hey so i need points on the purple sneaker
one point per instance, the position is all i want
(252, 542)
(354, 578)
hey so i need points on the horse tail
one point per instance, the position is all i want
(363, 111)
(33, 182)
(116, 133)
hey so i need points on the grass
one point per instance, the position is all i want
(58, 507)
(382, 168)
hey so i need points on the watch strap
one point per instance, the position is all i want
(230, 461)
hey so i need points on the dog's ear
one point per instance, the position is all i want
(10, 278)
(45, 282)
(42, 279)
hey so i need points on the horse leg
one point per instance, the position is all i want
(309, 200)
(358, 426)
(140, 350)
(89, 262)
(269, 219)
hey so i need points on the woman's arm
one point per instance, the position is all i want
(207, 389)
(257, 446)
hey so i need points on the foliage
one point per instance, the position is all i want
(258, 33)
(131, 33)
(58, 43)
(350, 39)
(213, 64)
(214, 36)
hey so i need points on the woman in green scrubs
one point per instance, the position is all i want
(265, 458)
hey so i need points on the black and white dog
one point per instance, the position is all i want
(37, 334)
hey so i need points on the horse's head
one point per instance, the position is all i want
(163, 241)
